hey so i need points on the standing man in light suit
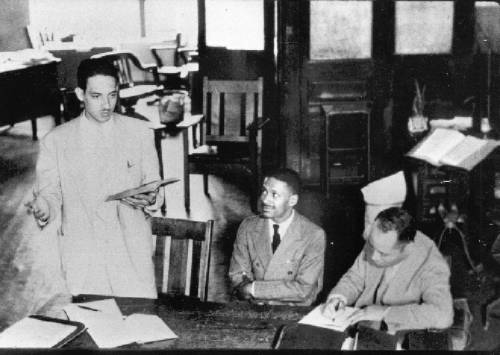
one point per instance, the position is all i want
(105, 247)
(278, 257)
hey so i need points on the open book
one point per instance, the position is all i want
(339, 322)
(450, 147)
(40, 332)
(109, 328)
(143, 189)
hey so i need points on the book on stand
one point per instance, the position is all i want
(452, 148)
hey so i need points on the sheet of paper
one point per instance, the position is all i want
(467, 147)
(107, 306)
(106, 329)
(437, 144)
(146, 328)
(34, 333)
(338, 323)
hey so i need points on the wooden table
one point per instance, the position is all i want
(235, 325)
(29, 91)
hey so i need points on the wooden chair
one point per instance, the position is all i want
(134, 82)
(170, 63)
(230, 132)
(182, 256)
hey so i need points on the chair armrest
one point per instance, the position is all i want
(190, 121)
(149, 66)
(258, 124)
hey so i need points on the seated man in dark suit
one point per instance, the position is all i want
(400, 280)
(278, 256)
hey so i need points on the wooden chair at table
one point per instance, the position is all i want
(230, 132)
(133, 77)
(182, 258)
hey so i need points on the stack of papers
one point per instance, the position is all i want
(339, 322)
(109, 328)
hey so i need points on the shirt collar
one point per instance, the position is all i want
(283, 226)
(105, 129)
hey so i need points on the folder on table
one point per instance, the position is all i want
(40, 332)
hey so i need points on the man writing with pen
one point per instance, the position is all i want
(399, 281)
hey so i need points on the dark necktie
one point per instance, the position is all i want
(276, 237)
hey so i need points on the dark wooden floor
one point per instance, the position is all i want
(25, 265)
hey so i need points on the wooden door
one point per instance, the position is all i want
(233, 55)
(325, 51)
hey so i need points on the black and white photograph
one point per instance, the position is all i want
(250, 175)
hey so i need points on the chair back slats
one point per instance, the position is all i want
(179, 228)
(231, 105)
(222, 113)
(184, 248)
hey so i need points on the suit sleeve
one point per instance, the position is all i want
(308, 280)
(150, 165)
(352, 284)
(436, 307)
(241, 263)
(48, 181)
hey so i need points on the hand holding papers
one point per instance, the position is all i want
(109, 328)
(142, 190)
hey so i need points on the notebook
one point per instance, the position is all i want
(143, 189)
(40, 332)
(339, 322)
(109, 328)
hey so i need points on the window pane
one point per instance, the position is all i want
(488, 26)
(424, 27)
(340, 29)
(92, 21)
(166, 18)
(235, 24)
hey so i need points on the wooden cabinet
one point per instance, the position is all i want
(346, 143)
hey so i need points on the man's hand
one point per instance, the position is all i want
(40, 209)
(244, 290)
(332, 305)
(373, 313)
(141, 201)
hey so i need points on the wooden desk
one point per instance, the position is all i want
(28, 92)
(207, 325)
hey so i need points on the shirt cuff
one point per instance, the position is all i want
(385, 312)
(42, 223)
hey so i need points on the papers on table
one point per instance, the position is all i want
(109, 328)
(39, 332)
(339, 322)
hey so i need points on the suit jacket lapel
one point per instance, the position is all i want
(262, 243)
(292, 235)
